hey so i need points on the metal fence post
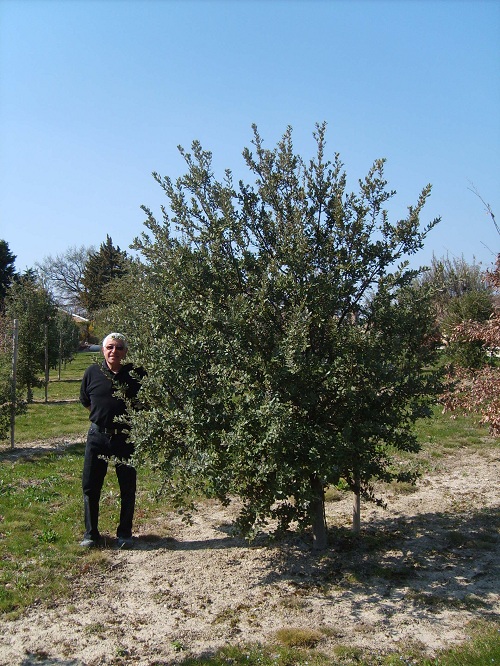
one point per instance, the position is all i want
(15, 336)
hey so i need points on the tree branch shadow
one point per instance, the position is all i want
(431, 562)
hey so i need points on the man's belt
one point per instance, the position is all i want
(108, 431)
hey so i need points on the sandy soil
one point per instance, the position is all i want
(418, 575)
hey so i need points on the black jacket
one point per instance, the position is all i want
(98, 389)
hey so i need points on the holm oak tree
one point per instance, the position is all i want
(286, 344)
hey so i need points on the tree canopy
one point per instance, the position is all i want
(33, 307)
(7, 270)
(285, 341)
(101, 268)
(63, 274)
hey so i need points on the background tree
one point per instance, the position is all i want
(124, 292)
(479, 390)
(284, 343)
(101, 268)
(7, 270)
(461, 294)
(6, 392)
(68, 335)
(62, 275)
(34, 308)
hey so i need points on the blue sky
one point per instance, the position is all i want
(95, 95)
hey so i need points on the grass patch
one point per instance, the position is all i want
(259, 655)
(45, 421)
(298, 637)
(41, 524)
(62, 415)
(438, 602)
(482, 648)
(443, 433)
(68, 386)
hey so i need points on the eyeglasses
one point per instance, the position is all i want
(116, 347)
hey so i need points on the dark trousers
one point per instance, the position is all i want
(100, 446)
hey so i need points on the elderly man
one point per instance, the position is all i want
(101, 389)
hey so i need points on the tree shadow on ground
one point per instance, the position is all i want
(38, 658)
(61, 445)
(434, 561)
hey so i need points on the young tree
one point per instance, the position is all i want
(33, 307)
(68, 335)
(7, 270)
(284, 343)
(6, 379)
(101, 269)
(62, 275)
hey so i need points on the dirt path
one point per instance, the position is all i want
(421, 572)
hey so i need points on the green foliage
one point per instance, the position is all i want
(101, 268)
(284, 342)
(6, 397)
(7, 270)
(33, 307)
(69, 337)
(6, 383)
(452, 278)
(122, 292)
(472, 306)
(460, 294)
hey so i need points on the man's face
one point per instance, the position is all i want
(114, 352)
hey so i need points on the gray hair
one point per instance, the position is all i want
(115, 336)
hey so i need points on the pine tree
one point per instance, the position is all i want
(7, 270)
(33, 307)
(102, 267)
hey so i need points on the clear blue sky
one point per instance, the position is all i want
(95, 95)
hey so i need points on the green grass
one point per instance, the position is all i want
(38, 525)
(45, 421)
(484, 648)
(41, 523)
(62, 415)
(68, 387)
(481, 650)
(445, 432)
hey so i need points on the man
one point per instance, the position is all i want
(100, 394)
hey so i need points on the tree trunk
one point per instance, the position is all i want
(46, 364)
(356, 508)
(60, 358)
(320, 536)
(15, 344)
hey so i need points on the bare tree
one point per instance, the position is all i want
(487, 207)
(62, 276)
